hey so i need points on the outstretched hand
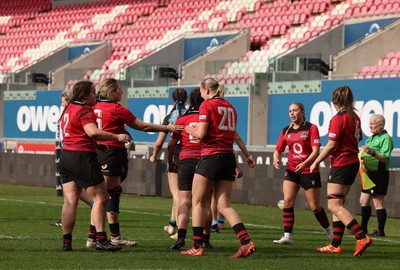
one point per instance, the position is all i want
(175, 128)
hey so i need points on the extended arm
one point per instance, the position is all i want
(324, 154)
(250, 161)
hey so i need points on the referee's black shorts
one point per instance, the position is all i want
(381, 181)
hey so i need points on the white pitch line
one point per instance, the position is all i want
(155, 214)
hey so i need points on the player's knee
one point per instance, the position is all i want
(335, 201)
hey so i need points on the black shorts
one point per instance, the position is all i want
(344, 175)
(175, 159)
(217, 167)
(381, 180)
(114, 161)
(306, 181)
(81, 167)
(186, 173)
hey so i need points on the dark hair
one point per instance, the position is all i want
(195, 99)
(79, 91)
(179, 96)
(343, 97)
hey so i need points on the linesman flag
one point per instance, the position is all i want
(365, 180)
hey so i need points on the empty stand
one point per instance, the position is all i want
(388, 66)
(137, 29)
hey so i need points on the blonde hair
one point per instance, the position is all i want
(106, 87)
(214, 86)
(67, 95)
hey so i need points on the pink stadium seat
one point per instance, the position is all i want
(394, 61)
(366, 69)
(385, 61)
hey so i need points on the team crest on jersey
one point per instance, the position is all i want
(304, 135)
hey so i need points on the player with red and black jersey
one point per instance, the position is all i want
(342, 149)
(189, 156)
(79, 168)
(303, 141)
(216, 169)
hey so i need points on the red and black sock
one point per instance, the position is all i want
(338, 231)
(356, 229)
(67, 238)
(114, 229)
(241, 233)
(92, 232)
(197, 237)
(101, 237)
(288, 219)
(206, 238)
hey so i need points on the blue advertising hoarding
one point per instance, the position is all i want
(33, 119)
(197, 45)
(380, 96)
(37, 119)
(356, 31)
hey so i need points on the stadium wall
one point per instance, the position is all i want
(367, 51)
(211, 61)
(170, 56)
(261, 185)
(76, 68)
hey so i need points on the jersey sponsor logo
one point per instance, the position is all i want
(304, 135)
(297, 148)
(332, 135)
(202, 117)
(317, 141)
